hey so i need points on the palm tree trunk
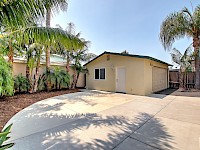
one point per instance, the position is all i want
(196, 45)
(48, 21)
(77, 78)
(74, 79)
(10, 53)
(36, 75)
(68, 66)
(48, 69)
(28, 75)
(68, 62)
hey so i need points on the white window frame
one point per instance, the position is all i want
(99, 73)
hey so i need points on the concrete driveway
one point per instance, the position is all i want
(101, 120)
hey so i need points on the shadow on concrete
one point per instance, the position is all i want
(92, 131)
(168, 91)
(180, 92)
(155, 134)
(158, 96)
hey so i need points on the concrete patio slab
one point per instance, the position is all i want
(169, 134)
(105, 120)
(80, 134)
(156, 99)
(29, 123)
(192, 100)
(133, 114)
(183, 111)
(132, 144)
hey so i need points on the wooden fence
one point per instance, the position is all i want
(177, 79)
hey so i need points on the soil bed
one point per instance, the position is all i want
(9, 106)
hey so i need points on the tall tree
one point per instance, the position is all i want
(71, 30)
(16, 15)
(78, 57)
(74, 45)
(61, 5)
(180, 24)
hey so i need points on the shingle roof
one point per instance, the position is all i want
(129, 55)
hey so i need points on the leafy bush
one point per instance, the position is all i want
(6, 79)
(21, 83)
(4, 137)
(59, 79)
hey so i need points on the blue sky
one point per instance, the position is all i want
(117, 25)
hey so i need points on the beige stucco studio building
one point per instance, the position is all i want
(132, 74)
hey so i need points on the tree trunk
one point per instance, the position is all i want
(48, 82)
(181, 78)
(77, 78)
(48, 69)
(68, 66)
(36, 75)
(196, 45)
(68, 62)
(74, 79)
(10, 53)
(28, 75)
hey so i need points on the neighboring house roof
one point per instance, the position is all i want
(129, 55)
(56, 60)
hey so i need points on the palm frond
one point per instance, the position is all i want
(184, 60)
(197, 17)
(176, 56)
(177, 25)
(14, 13)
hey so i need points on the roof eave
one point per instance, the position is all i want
(129, 55)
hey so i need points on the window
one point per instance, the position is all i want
(100, 74)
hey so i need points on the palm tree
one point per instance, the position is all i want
(73, 46)
(67, 51)
(178, 25)
(9, 48)
(79, 56)
(26, 12)
(70, 29)
(61, 5)
(183, 60)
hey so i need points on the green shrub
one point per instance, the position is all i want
(4, 137)
(6, 79)
(59, 79)
(21, 83)
(65, 80)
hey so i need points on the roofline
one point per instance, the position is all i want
(24, 61)
(129, 55)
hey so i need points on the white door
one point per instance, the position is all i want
(121, 80)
